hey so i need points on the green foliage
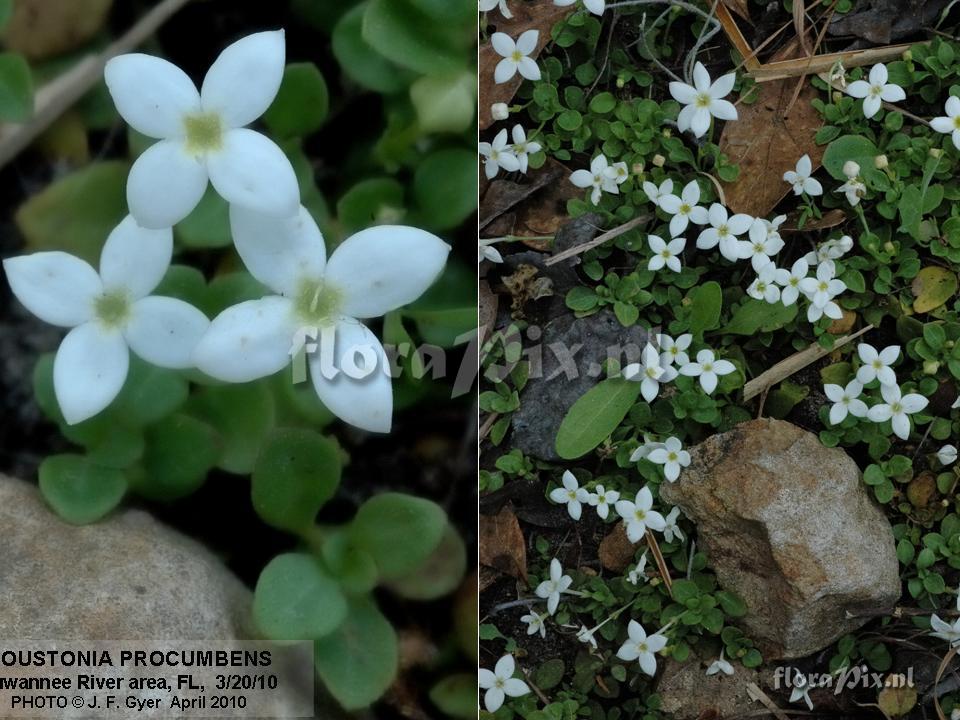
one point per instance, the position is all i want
(79, 490)
(594, 416)
(301, 104)
(16, 88)
(295, 599)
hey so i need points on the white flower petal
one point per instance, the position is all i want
(252, 171)
(279, 251)
(723, 110)
(165, 331)
(505, 69)
(164, 185)
(248, 341)
(243, 81)
(527, 42)
(89, 371)
(385, 267)
(151, 94)
(55, 286)
(683, 93)
(135, 258)
(858, 89)
(366, 402)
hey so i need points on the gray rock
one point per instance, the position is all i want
(787, 524)
(687, 693)
(125, 578)
(573, 352)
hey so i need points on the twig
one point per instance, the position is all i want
(597, 241)
(54, 98)
(760, 696)
(539, 693)
(661, 563)
(488, 425)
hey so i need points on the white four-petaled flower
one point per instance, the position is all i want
(703, 100)
(800, 178)
(597, 178)
(765, 240)
(656, 193)
(571, 495)
(764, 287)
(897, 408)
(875, 90)
(790, 281)
(673, 352)
(649, 373)
(950, 124)
(643, 452)
(672, 456)
(670, 530)
(708, 369)
(820, 291)
(201, 134)
(523, 148)
(685, 209)
(516, 55)
(550, 590)
(845, 400)
(535, 623)
(111, 313)
(877, 365)
(642, 647)
(602, 499)
(726, 231)
(665, 253)
(498, 155)
(371, 273)
(500, 683)
(638, 516)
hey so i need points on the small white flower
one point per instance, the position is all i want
(951, 123)
(845, 400)
(649, 373)
(854, 189)
(671, 530)
(725, 231)
(570, 494)
(851, 168)
(654, 193)
(500, 683)
(672, 456)
(821, 290)
(596, 178)
(498, 155)
(638, 516)
(350, 370)
(947, 455)
(790, 281)
(639, 646)
(877, 365)
(764, 287)
(665, 253)
(488, 5)
(515, 56)
(832, 249)
(617, 172)
(523, 148)
(602, 499)
(708, 369)
(499, 111)
(801, 180)
(703, 100)
(595, 6)
(945, 631)
(201, 134)
(801, 690)
(765, 240)
(110, 313)
(636, 574)
(550, 590)
(875, 89)
(585, 635)
(645, 449)
(487, 251)
(673, 352)
(897, 409)
(720, 665)
(684, 208)
(535, 623)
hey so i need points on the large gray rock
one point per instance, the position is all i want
(573, 352)
(126, 578)
(787, 524)
(687, 693)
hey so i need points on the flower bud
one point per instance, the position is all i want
(499, 111)
(880, 162)
(637, 168)
(621, 81)
(907, 55)
(936, 152)
(658, 160)
(851, 169)
(889, 247)
(930, 367)
(837, 96)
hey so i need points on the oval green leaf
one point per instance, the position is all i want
(593, 417)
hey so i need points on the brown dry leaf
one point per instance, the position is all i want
(739, 7)
(922, 489)
(539, 15)
(616, 551)
(502, 546)
(844, 324)
(41, 29)
(503, 195)
(766, 142)
(526, 285)
(488, 309)
(736, 37)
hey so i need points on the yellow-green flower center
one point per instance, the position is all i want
(672, 456)
(684, 209)
(204, 132)
(703, 100)
(897, 408)
(317, 303)
(956, 122)
(640, 514)
(516, 56)
(112, 308)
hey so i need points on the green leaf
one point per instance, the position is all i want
(603, 103)
(354, 569)
(549, 674)
(181, 450)
(706, 303)
(932, 287)
(398, 531)
(369, 202)
(78, 490)
(456, 696)
(594, 416)
(301, 104)
(440, 575)
(359, 61)
(242, 415)
(445, 187)
(77, 212)
(297, 472)
(759, 316)
(850, 147)
(444, 104)
(16, 88)
(403, 34)
(359, 661)
(207, 225)
(296, 600)
(732, 604)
